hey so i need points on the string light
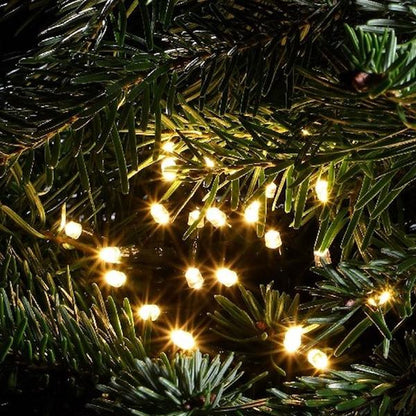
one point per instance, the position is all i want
(384, 297)
(167, 164)
(321, 189)
(226, 276)
(110, 254)
(159, 213)
(271, 190)
(194, 216)
(322, 258)
(73, 229)
(380, 299)
(168, 147)
(194, 278)
(293, 338)
(305, 132)
(318, 359)
(272, 239)
(251, 213)
(115, 278)
(209, 162)
(182, 339)
(149, 311)
(216, 217)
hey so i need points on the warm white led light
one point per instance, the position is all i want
(384, 297)
(110, 254)
(380, 299)
(272, 239)
(216, 217)
(251, 213)
(182, 339)
(318, 359)
(194, 216)
(271, 190)
(321, 189)
(226, 276)
(293, 338)
(322, 258)
(167, 165)
(168, 147)
(115, 278)
(147, 312)
(209, 162)
(73, 229)
(159, 213)
(194, 278)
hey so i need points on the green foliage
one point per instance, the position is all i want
(56, 325)
(270, 91)
(344, 294)
(186, 385)
(385, 388)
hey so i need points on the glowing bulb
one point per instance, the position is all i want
(182, 339)
(110, 254)
(271, 190)
(251, 214)
(194, 216)
(273, 239)
(321, 189)
(226, 276)
(384, 297)
(115, 278)
(216, 217)
(209, 162)
(318, 359)
(147, 312)
(167, 164)
(73, 229)
(194, 278)
(168, 147)
(159, 213)
(380, 299)
(322, 258)
(293, 338)
(306, 132)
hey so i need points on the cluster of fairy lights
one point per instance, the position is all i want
(216, 217)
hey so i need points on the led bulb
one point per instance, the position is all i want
(293, 338)
(209, 162)
(110, 254)
(147, 312)
(73, 229)
(115, 278)
(273, 239)
(384, 297)
(216, 217)
(321, 189)
(159, 213)
(271, 190)
(167, 172)
(322, 258)
(251, 213)
(182, 339)
(194, 278)
(380, 299)
(194, 216)
(306, 132)
(318, 359)
(168, 147)
(226, 276)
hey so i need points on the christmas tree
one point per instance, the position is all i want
(208, 207)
